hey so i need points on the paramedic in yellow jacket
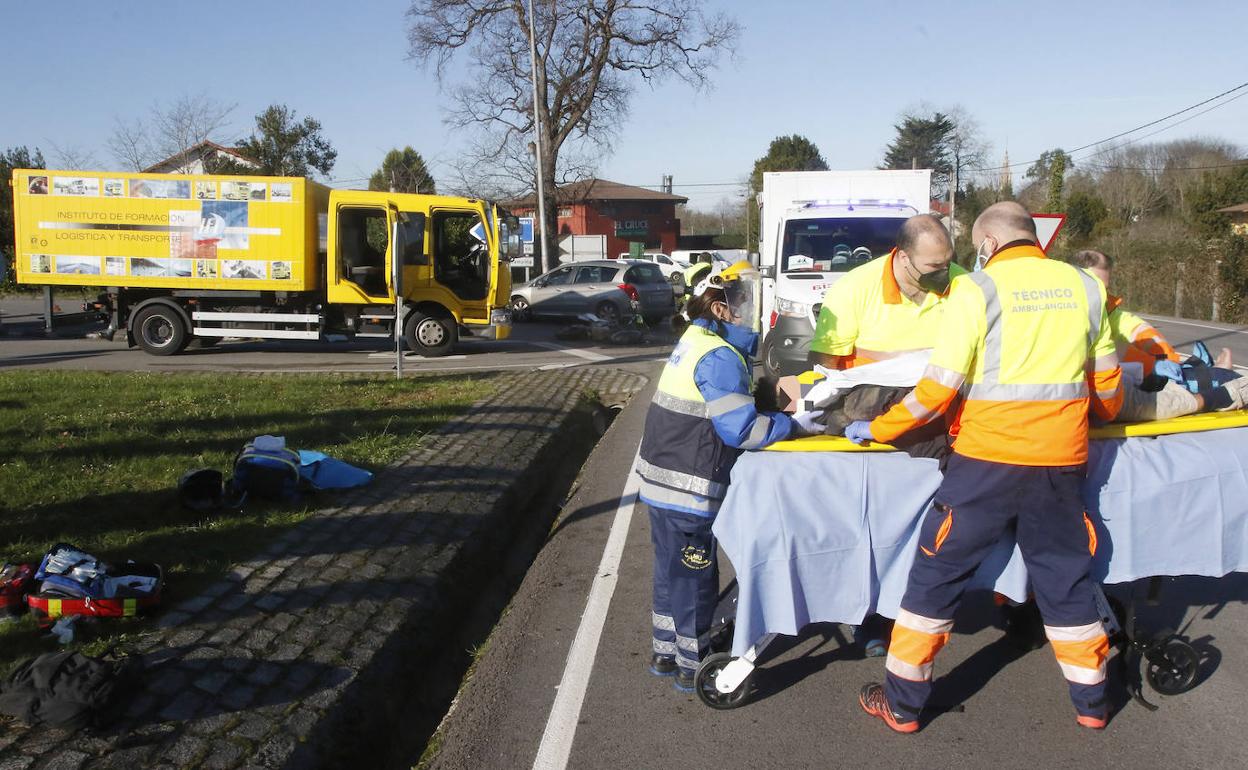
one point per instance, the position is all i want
(1026, 342)
(891, 305)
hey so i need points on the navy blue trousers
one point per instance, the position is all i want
(976, 504)
(686, 584)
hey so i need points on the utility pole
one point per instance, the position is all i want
(537, 144)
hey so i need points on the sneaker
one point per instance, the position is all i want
(684, 680)
(662, 665)
(875, 702)
(875, 648)
(1091, 722)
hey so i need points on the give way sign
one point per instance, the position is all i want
(1047, 228)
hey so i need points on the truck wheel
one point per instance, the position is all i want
(429, 335)
(160, 331)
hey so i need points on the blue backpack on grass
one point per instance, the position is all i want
(266, 468)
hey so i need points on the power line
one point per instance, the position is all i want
(1239, 87)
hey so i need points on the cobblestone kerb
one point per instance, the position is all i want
(269, 664)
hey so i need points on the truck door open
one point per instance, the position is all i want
(363, 250)
(461, 254)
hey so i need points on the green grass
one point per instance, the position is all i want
(93, 459)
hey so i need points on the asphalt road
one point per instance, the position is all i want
(531, 346)
(1003, 709)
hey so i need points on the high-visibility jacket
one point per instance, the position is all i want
(1136, 340)
(1026, 342)
(866, 317)
(700, 419)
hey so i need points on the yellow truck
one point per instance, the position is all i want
(197, 256)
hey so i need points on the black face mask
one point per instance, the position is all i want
(935, 281)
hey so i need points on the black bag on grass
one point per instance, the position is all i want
(68, 689)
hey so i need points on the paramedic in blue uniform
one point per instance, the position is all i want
(702, 416)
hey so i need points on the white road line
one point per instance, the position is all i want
(556, 745)
(588, 355)
(415, 357)
(1189, 323)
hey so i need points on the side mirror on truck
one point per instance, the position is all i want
(510, 246)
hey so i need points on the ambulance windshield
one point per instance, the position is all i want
(836, 245)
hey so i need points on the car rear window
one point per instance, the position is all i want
(644, 274)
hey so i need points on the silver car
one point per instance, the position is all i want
(609, 288)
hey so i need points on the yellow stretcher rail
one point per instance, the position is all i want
(1192, 423)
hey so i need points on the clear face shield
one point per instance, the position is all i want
(744, 295)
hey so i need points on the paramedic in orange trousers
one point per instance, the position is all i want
(1026, 341)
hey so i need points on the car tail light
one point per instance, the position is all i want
(631, 291)
(774, 316)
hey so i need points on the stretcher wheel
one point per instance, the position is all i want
(1172, 668)
(704, 684)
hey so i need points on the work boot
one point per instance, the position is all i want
(875, 702)
(1092, 722)
(684, 679)
(662, 665)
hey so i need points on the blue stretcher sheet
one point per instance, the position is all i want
(830, 536)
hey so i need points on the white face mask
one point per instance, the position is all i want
(981, 259)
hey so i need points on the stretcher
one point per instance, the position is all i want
(821, 530)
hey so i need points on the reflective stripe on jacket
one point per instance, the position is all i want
(701, 416)
(1026, 342)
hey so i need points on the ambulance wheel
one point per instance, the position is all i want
(704, 684)
(1172, 669)
(160, 330)
(430, 335)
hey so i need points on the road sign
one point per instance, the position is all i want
(526, 229)
(522, 262)
(1047, 228)
(478, 231)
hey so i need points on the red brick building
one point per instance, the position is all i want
(623, 213)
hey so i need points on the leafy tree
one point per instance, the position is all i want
(785, 153)
(1057, 182)
(14, 157)
(281, 146)
(1084, 211)
(922, 141)
(403, 170)
(1215, 190)
(589, 57)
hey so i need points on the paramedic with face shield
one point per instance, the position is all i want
(1026, 342)
(702, 416)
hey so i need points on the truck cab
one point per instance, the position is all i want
(450, 277)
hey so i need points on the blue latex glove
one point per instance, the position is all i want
(859, 432)
(806, 424)
(1170, 370)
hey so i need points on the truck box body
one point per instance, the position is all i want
(198, 256)
(169, 231)
(816, 226)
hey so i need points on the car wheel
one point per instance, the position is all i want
(160, 330)
(609, 312)
(771, 361)
(430, 335)
(520, 309)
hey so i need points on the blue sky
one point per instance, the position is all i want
(1035, 76)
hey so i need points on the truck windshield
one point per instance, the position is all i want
(836, 245)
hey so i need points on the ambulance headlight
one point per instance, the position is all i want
(788, 307)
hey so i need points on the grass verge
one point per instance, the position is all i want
(93, 459)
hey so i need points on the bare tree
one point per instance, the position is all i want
(170, 129)
(590, 53)
(73, 158)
